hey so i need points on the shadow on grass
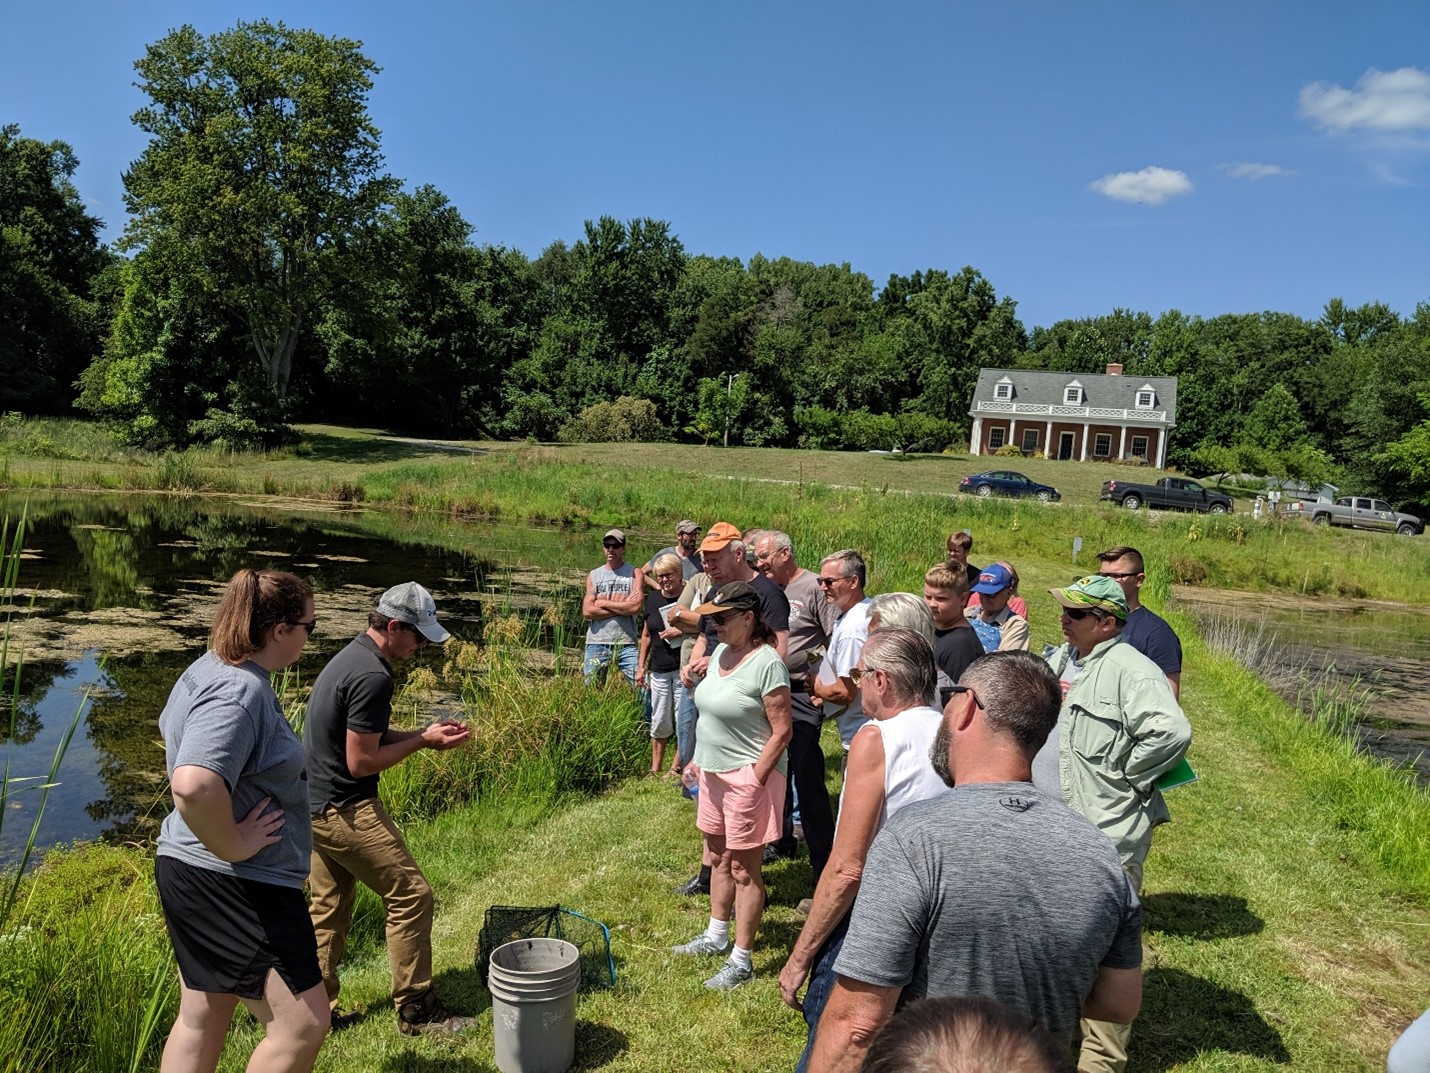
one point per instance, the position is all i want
(1184, 1016)
(598, 1044)
(325, 448)
(1200, 916)
(408, 1062)
(462, 991)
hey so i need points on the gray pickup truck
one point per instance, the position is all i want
(1169, 493)
(1356, 512)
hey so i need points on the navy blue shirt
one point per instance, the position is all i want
(1149, 633)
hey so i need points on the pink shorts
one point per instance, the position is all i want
(734, 805)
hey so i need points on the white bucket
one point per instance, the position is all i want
(533, 984)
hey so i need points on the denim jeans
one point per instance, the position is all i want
(361, 844)
(821, 983)
(685, 716)
(599, 657)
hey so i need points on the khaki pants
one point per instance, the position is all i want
(361, 844)
(1104, 1043)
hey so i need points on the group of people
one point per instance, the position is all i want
(260, 813)
(995, 812)
(997, 807)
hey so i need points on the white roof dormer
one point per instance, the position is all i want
(1146, 397)
(1072, 394)
(1003, 389)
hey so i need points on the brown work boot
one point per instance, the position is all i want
(427, 1014)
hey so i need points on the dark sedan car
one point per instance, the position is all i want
(1003, 482)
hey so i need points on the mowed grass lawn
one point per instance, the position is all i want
(1079, 482)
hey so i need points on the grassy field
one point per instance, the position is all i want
(1287, 905)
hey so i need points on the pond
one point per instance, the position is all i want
(116, 595)
(1363, 644)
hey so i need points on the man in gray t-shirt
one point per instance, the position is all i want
(614, 595)
(991, 888)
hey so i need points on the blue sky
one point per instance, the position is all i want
(1213, 157)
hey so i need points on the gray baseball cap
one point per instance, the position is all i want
(412, 604)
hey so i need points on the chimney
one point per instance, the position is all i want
(1114, 368)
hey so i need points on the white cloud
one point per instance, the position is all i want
(1382, 100)
(1255, 171)
(1150, 186)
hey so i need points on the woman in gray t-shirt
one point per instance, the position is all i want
(233, 855)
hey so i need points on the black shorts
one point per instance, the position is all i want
(228, 932)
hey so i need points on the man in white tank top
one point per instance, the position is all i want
(889, 768)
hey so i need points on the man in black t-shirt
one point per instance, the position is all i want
(349, 741)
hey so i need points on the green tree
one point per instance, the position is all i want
(51, 260)
(1275, 422)
(429, 324)
(1406, 461)
(169, 357)
(952, 326)
(263, 163)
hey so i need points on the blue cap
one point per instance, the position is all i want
(993, 580)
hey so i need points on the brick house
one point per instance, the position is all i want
(1074, 415)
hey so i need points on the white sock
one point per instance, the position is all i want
(718, 931)
(741, 958)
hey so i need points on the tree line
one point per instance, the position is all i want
(271, 271)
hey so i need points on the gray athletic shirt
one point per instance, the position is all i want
(226, 719)
(993, 889)
(618, 629)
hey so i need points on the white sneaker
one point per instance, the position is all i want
(730, 976)
(702, 944)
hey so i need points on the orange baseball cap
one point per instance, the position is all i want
(720, 534)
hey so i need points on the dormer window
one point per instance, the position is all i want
(1146, 397)
(1072, 394)
(1003, 390)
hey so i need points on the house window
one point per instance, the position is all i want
(1002, 391)
(1139, 446)
(1030, 441)
(1144, 399)
(1072, 396)
(1101, 445)
(996, 437)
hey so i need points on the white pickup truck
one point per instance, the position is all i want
(1356, 512)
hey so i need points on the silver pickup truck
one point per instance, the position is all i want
(1356, 512)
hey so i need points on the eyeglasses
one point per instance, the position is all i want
(724, 618)
(421, 637)
(969, 690)
(1078, 614)
(1118, 576)
(612, 544)
(309, 626)
(826, 582)
(666, 577)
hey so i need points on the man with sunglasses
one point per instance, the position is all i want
(1146, 631)
(991, 887)
(349, 741)
(614, 595)
(1119, 730)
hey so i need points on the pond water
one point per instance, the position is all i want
(116, 595)
(1363, 644)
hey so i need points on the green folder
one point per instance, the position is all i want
(1178, 776)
